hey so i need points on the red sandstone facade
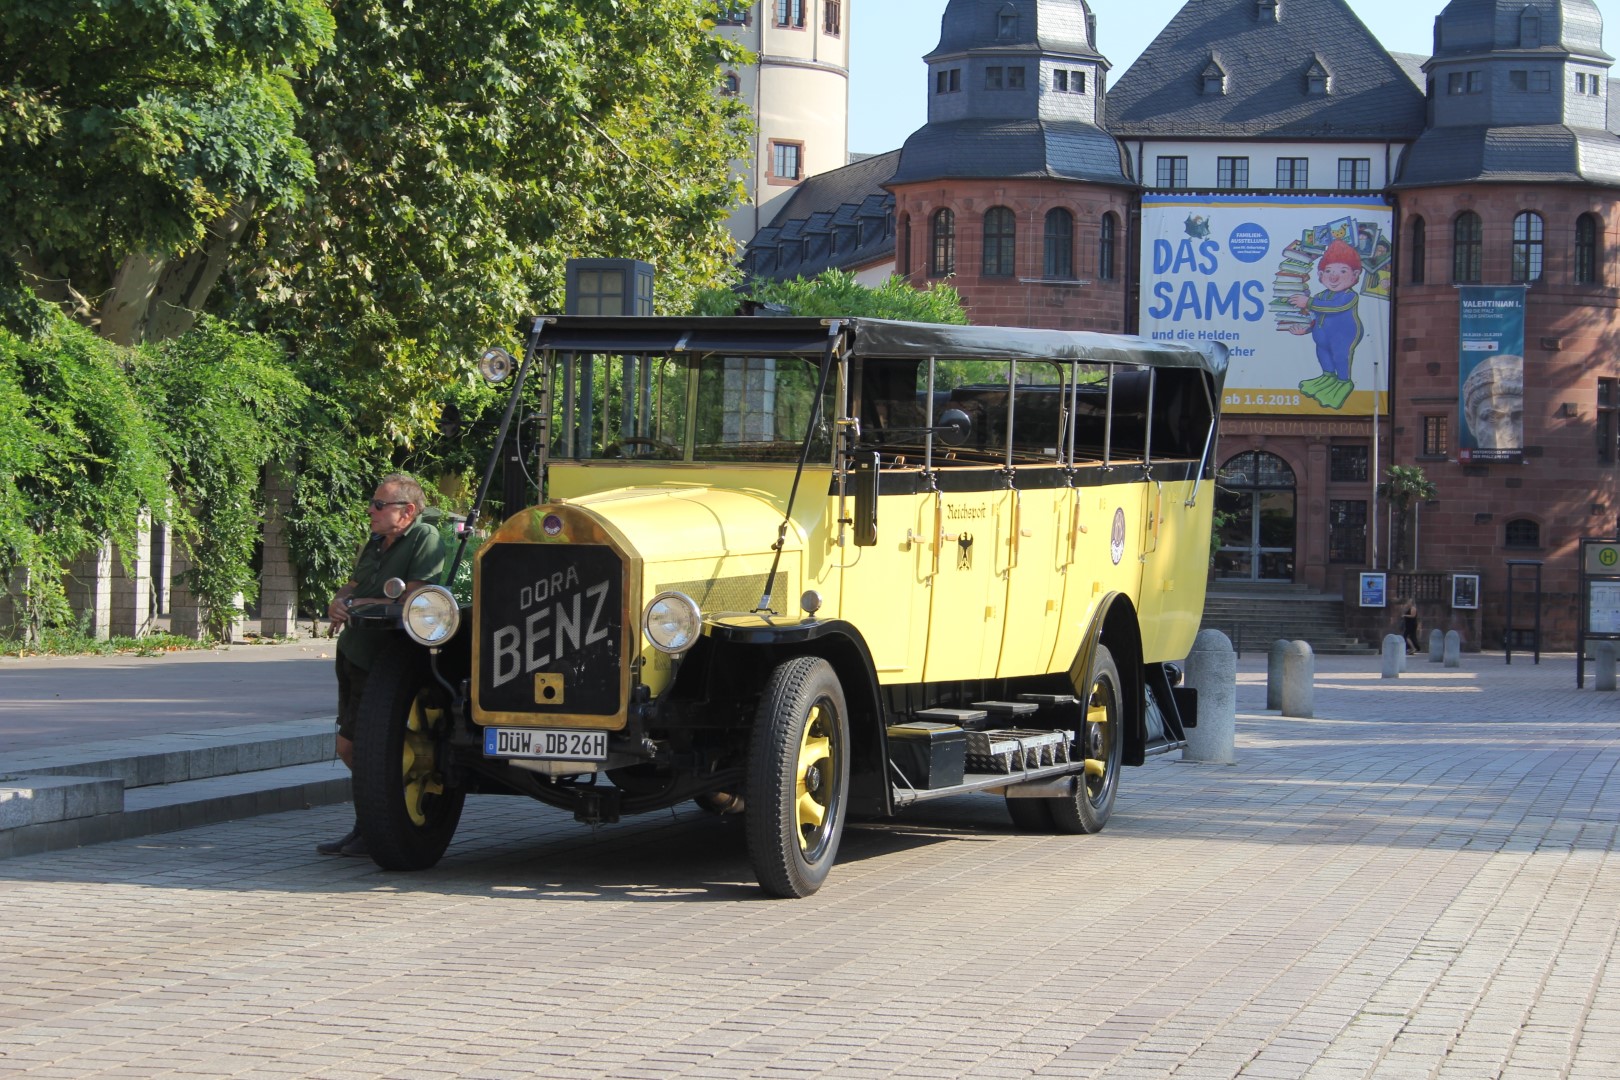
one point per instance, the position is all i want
(1024, 298)
(1567, 486)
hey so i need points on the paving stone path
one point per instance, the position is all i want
(1422, 882)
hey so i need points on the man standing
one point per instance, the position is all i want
(403, 546)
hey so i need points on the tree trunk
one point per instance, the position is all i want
(154, 299)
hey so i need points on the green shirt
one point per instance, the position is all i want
(418, 555)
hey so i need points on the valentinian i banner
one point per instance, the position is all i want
(1296, 286)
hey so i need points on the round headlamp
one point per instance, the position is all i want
(432, 615)
(672, 622)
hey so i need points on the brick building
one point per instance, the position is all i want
(1046, 197)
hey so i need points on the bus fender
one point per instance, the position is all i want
(839, 643)
(1114, 624)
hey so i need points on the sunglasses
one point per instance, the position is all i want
(378, 504)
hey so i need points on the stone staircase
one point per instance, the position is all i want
(1254, 616)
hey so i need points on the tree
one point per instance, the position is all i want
(228, 407)
(79, 462)
(136, 139)
(1403, 487)
(835, 294)
(463, 152)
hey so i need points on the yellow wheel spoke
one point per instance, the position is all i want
(810, 814)
(813, 752)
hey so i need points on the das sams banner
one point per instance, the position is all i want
(1297, 287)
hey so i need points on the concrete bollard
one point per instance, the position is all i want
(1437, 645)
(1453, 649)
(1212, 671)
(1603, 658)
(1299, 681)
(1394, 656)
(1274, 669)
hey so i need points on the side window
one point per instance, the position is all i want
(1466, 235)
(1586, 250)
(1420, 250)
(1527, 247)
(1059, 245)
(1107, 246)
(1000, 242)
(942, 262)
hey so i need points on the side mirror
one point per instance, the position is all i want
(394, 588)
(866, 498)
(954, 427)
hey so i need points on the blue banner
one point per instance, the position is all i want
(1490, 373)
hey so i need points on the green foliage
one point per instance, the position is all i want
(60, 642)
(834, 294)
(229, 408)
(327, 524)
(463, 152)
(1404, 486)
(79, 461)
(131, 126)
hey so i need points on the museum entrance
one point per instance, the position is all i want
(1255, 504)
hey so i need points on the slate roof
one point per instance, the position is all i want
(841, 218)
(1372, 95)
(1054, 27)
(1411, 65)
(1474, 27)
(1540, 154)
(984, 148)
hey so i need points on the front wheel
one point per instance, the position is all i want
(406, 813)
(1088, 809)
(798, 777)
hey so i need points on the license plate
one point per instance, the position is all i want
(546, 744)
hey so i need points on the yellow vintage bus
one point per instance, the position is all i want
(799, 569)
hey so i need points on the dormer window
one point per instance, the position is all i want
(1529, 28)
(1268, 11)
(1212, 80)
(1007, 23)
(1318, 80)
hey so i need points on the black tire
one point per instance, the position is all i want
(1030, 815)
(798, 778)
(406, 814)
(1101, 738)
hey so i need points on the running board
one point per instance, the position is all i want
(996, 783)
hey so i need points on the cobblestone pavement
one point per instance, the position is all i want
(1422, 883)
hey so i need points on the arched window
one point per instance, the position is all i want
(999, 238)
(1586, 249)
(905, 246)
(1466, 237)
(1522, 533)
(1420, 252)
(1527, 244)
(943, 262)
(730, 85)
(1059, 244)
(1107, 243)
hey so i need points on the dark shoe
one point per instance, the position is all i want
(336, 847)
(356, 848)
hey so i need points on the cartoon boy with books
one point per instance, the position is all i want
(1335, 325)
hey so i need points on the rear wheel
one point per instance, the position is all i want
(798, 777)
(1088, 809)
(406, 812)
